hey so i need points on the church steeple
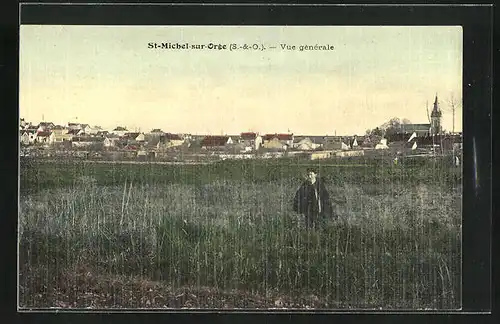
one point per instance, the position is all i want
(436, 118)
(436, 112)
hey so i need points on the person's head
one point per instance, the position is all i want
(311, 175)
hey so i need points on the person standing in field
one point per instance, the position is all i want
(312, 200)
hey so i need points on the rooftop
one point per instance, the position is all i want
(281, 137)
(214, 140)
(409, 128)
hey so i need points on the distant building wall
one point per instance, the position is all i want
(321, 155)
(350, 153)
(273, 144)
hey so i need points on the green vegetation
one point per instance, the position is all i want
(229, 226)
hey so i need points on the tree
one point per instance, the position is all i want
(375, 132)
(453, 104)
(392, 126)
(391, 123)
(378, 132)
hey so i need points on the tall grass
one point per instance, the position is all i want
(394, 244)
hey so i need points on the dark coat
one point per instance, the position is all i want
(305, 201)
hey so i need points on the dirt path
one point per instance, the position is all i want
(86, 290)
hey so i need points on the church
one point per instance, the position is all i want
(424, 130)
(436, 114)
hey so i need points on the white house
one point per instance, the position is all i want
(110, 141)
(91, 130)
(304, 145)
(140, 138)
(258, 142)
(42, 137)
(59, 138)
(32, 136)
(382, 145)
(24, 138)
(81, 129)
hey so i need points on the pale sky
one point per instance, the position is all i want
(107, 76)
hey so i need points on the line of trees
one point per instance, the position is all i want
(391, 127)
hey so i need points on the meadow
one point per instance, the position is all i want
(223, 235)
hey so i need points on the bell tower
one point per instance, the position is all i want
(436, 118)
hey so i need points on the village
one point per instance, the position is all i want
(79, 140)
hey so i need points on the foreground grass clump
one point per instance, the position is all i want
(394, 245)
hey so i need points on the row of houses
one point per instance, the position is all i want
(133, 141)
(83, 135)
(289, 142)
(284, 142)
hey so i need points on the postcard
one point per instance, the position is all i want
(240, 167)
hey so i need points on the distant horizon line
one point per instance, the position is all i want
(138, 129)
(210, 133)
(264, 134)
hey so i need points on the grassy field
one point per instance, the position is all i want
(224, 236)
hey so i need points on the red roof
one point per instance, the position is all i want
(214, 141)
(248, 135)
(130, 147)
(281, 137)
